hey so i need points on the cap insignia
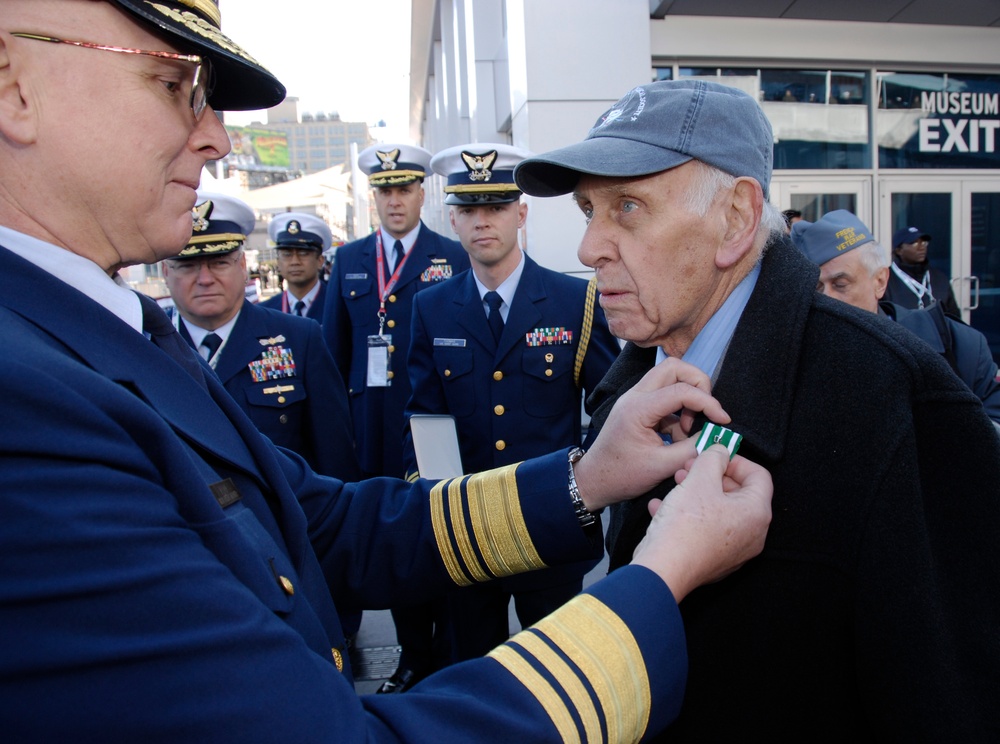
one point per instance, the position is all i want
(388, 159)
(293, 227)
(479, 165)
(200, 214)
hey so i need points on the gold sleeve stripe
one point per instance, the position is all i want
(498, 523)
(606, 654)
(568, 678)
(460, 532)
(489, 502)
(440, 526)
(538, 686)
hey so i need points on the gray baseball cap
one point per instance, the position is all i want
(835, 233)
(657, 127)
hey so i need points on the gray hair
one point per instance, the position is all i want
(702, 193)
(874, 256)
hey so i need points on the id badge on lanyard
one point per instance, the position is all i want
(380, 345)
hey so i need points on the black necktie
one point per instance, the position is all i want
(494, 300)
(163, 334)
(397, 251)
(212, 342)
(299, 307)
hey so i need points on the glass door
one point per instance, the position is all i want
(980, 285)
(962, 216)
(814, 197)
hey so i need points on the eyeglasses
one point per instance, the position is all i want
(201, 88)
(192, 266)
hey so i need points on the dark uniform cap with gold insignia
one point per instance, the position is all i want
(240, 82)
(220, 225)
(480, 173)
(394, 165)
(300, 230)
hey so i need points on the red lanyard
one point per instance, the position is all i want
(385, 289)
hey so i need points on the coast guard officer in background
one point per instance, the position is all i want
(300, 240)
(366, 321)
(508, 349)
(366, 324)
(275, 366)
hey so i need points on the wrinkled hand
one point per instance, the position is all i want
(629, 457)
(710, 524)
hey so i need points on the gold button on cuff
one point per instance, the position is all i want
(501, 445)
(392, 298)
(548, 373)
(447, 373)
(498, 410)
(498, 375)
(338, 659)
(391, 324)
(287, 585)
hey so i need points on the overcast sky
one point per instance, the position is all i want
(349, 56)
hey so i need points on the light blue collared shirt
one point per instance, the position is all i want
(706, 351)
(506, 290)
(78, 272)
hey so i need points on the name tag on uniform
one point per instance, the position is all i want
(355, 276)
(225, 492)
(459, 342)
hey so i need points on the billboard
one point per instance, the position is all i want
(256, 147)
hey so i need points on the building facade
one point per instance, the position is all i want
(887, 109)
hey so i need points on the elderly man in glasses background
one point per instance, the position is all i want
(275, 366)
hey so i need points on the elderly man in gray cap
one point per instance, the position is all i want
(866, 615)
(853, 267)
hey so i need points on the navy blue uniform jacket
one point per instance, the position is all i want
(306, 413)
(315, 310)
(136, 607)
(534, 406)
(351, 316)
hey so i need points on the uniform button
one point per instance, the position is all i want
(281, 398)
(548, 373)
(286, 585)
(550, 358)
(501, 445)
(390, 374)
(392, 298)
(283, 418)
(391, 324)
(338, 659)
(353, 293)
(498, 375)
(350, 390)
(447, 373)
(498, 410)
(391, 349)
